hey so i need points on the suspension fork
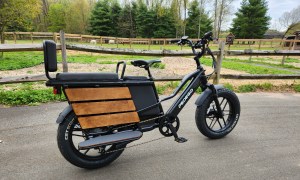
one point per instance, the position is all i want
(215, 98)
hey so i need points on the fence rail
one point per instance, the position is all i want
(89, 48)
(250, 43)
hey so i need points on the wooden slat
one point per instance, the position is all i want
(103, 107)
(89, 94)
(108, 120)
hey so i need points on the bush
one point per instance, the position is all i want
(28, 97)
(158, 65)
(265, 86)
(229, 86)
(297, 87)
(247, 88)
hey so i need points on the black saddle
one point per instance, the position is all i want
(87, 76)
(144, 63)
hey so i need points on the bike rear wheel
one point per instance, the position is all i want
(69, 134)
(207, 120)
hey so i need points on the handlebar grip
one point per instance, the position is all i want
(208, 35)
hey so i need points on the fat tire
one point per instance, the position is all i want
(76, 158)
(201, 112)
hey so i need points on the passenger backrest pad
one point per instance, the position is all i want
(50, 58)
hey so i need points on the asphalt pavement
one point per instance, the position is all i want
(265, 144)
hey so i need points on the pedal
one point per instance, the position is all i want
(177, 139)
(181, 140)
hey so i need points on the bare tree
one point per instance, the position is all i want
(222, 10)
(202, 2)
(289, 20)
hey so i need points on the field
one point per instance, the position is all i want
(31, 63)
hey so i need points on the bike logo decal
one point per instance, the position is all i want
(185, 98)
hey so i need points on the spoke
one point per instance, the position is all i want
(86, 151)
(77, 135)
(225, 105)
(219, 123)
(224, 121)
(213, 124)
(222, 101)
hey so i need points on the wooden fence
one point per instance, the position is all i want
(257, 44)
(89, 48)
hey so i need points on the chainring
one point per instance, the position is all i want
(163, 126)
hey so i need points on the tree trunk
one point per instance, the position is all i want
(2, 42)
(220, 18)
(215, 20)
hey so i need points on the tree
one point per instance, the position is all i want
(194, 14)
(251, 20)
(223, 11)
(56, 17)
(100, 22)
(290, 20)
(165, 24)
(144, 20)
(77, 22)
(127, 20)
(114, 14)
(17, 12)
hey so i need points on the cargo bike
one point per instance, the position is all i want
(107, 111)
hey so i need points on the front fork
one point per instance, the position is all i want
(215, 98)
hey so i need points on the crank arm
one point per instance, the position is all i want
(177, 139)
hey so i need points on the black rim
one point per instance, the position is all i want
(76, 135)
(213, 122)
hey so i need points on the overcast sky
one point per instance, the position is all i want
(276, 9)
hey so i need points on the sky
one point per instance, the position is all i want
(276, 9)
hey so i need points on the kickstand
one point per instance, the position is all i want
(177, 139)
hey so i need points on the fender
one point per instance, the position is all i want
(205, 94)
(63, 114)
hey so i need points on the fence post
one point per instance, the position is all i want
(63, 51)
(117, 42)
(259, 44)
(149, 42)
(130, 43)
(219, 62)
(31, 37)
(15, 38)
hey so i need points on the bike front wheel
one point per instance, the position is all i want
(207, 119)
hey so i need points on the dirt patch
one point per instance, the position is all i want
(174, 67)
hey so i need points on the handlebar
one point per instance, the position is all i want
(200, 44)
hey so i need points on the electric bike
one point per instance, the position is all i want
(107, 111)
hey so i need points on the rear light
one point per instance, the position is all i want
(56, 90)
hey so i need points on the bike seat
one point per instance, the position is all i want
(87, 76)
(144, 63)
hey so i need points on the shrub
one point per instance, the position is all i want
(247, 88)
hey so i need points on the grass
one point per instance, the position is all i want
(27, 94)
(19, 60)
(249, 68)
(36, 93)
(262, 61)
(297, 87)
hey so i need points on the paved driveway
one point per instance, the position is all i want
(264, 145)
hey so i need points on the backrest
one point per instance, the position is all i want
(50, 58)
